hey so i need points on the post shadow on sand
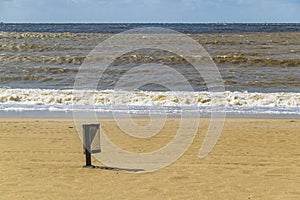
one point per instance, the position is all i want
(91, 145)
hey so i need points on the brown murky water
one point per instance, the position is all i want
(256, 62)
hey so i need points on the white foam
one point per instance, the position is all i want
(138, 101)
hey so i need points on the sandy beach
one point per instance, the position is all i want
(253, 159)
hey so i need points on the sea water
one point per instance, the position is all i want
(259, 65)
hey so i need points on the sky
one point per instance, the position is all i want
(187, 11)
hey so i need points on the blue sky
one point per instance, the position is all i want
(150, 10)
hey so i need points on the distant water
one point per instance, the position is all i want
(192, 28)
(39, 61)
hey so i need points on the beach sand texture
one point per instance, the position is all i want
(253, 159)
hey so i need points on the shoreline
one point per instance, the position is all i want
(69, 114)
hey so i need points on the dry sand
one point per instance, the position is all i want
(253, 159)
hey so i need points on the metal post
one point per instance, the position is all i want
(87, 147)
(88, 137)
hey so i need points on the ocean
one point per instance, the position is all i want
(259, 65)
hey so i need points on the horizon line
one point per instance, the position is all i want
(21, 22)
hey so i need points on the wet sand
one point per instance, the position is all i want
(253, 159)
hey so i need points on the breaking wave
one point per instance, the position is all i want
(144, 101)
